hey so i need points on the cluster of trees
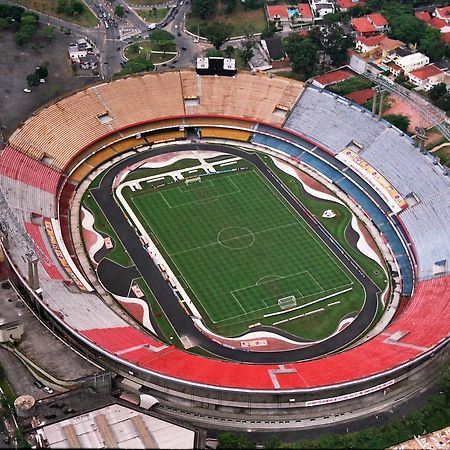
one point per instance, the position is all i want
(434, 416)
(33, 79)
(440, 97)
(23, 23)
(304, 51)
(408, 28)
(70, 7)
(205, 9)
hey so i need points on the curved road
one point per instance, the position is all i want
(168, 300)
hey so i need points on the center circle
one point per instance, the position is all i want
(236, 238)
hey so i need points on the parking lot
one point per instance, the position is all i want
(17, 63)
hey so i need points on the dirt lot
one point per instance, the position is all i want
(17, 63)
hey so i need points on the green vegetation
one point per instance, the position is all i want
(71, 10)
(241, 20)
(148, 2)
(23, 23)
(398, 120)
(224, 236)
(444, 155)
(166, 332)
(386, 103)
(118, 253)
(335, 226)
(119, 10)
(350, 85)
(41, 73)
(153, 15)
(303, 54)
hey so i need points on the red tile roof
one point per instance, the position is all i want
(423, 15)
(445, 38)
(346, 4)
(277, 10)
(443, 12)
(305, 10)
(378, 20)
(372, 41)
(333, 77)
(362, 25)
(362, 96)
(426, 72)
(437, 23)
(395, 67)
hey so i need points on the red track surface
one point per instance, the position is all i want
(18, 166)
(426, 320)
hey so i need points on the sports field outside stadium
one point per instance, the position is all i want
(238, 247)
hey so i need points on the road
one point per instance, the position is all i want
(168, 300)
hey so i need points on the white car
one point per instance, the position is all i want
(49, 390)
(27, 90)
(176, 26)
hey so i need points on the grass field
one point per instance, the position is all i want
(238, 247)
(85, 19)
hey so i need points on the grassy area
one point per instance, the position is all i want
(351, 85)
(85, 19)
(101, 224)
(167, 332)
(444, 154)
(291, 75)
(242, 21)
(153, 15)
(146, 48)
(146, 2)
(336, 226)
(238, 248)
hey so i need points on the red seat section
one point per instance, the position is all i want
(121, 340)
(21, 167)
(426, 320)
(35, 232)
(425, 324)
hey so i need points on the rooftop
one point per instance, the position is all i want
(277, 10)
(362, 25)
(423, 15)
(437, 23)
(362, 96)
(443, 12)
(378, 20)
(372, 41)
(305, 10)
(333, 77)
(345, 4)
(426, 72)
(411, 58)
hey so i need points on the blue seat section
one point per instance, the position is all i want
(284, 134)
(374, 212)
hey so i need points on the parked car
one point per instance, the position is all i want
(49, 390)
(27, 90)
(38, 384)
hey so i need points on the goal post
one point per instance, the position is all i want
(191, 180)
(287, 302)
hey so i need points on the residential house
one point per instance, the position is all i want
(305, 13)
(379, 22)
(443, 13)
(363, 27)
(345, 5)
(412, 62)
(426, 77)
(278, 14)
(321, 8)
(368, 44)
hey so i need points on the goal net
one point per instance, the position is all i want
(287, 302)
(191, 180)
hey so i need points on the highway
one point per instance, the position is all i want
(168, 300)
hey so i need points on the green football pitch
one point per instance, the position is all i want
(238, 248)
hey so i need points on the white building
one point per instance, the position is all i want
(321, 8)
(412, 62)
(426, 77)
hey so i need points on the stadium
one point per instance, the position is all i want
(293, 246)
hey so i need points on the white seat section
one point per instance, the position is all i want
(331, 121)
(428, 224)
(404, 166)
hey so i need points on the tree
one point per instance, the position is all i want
(217, 33)
(398, 120)
(431, 44)
(33, 79)
(213, 52)
(7, 400)
(336, 43)
(234, 440)
(269, 31)
(438, 91)
(48, 32)
(302, 53)
(203, 8)
(119, 11)
(41, 72)
(229, 5)
(160, 35)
